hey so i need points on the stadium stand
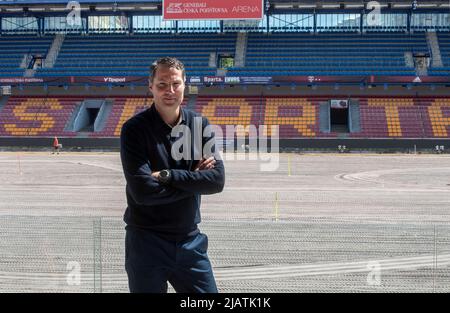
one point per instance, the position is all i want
(439, 116)
(14, 50)
(99, 55)
(297, 117)
(123, 109)
(42, 116)
(291, 47)
(267, 55)
(444, 45)
(330, 54)
(231, 111)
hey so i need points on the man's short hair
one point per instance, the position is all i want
(167, 62)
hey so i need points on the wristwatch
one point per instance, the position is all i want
(164, 177)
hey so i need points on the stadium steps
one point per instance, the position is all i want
(409, 60)
(354, 117)
(70, 123)
(52, 54)
(103, 115)
(324, 118)
(3, 101)
(83, 133)
(88, 129)
(25, 61)
(29, 72)
(342, 131)
(212, 59)
(241, 49)
(191, 102)
(433, 43)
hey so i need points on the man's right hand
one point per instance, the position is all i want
(205, 164)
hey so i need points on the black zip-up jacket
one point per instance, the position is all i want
(171, 210)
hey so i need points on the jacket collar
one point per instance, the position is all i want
(159, 122)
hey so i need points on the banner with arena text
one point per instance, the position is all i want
(212, 9)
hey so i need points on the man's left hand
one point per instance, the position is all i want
(205, 164)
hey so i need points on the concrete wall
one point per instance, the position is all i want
(74, 144)
(236, 90)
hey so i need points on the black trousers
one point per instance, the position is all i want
(151, 261)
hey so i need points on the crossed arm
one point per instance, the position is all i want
(204, 164)
(143, 185)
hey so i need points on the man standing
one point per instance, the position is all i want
(163, 243)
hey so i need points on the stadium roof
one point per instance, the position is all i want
(22, 2)
(10, 6)
(317, 3)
